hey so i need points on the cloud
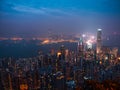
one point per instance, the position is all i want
(27, 9)
(55, 11)
(40, 10)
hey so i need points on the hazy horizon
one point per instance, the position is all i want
(34, 18)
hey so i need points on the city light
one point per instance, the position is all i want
(89, 42)
(58, 54)
(59, 66)
(106, 58)
(45, 42)
(118, 58)
(92, 37)
(83, 35)
(59, 44)
(99, 29)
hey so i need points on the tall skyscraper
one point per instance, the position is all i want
(99, 40)
(62, 50)
(80, 48)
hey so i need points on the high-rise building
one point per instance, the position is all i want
(99, 41)
(80, 48)
(115, 52)
(62, 50)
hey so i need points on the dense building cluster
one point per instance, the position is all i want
(87, 68)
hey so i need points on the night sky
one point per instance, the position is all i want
(37, 17)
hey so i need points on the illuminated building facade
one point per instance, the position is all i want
(80, 48)
(115, 52)
(62, 50)
(99, 40)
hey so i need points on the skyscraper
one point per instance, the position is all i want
(62, 50)
(99, 40)
(80, 48)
